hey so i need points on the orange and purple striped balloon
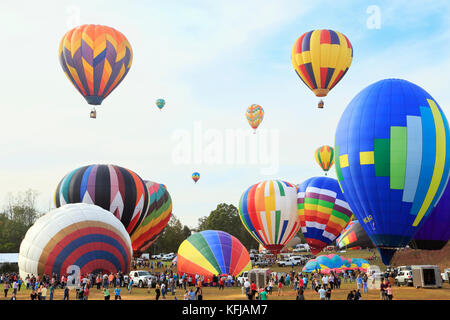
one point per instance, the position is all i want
(95, 59)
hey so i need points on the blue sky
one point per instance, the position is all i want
(210, 60)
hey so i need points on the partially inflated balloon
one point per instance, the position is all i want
(321, 58)
(118, 190)
(392, 160)
(195, 176)
(160, 103)
(157, 217)
(325, 157)
(435, 232)
(254, 114)
(323, 211)
(354, 237)
(212, 252)
(95, 59)
(81, 236)
(268, 211)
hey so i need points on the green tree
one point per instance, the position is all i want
(226, 218)
(171, 238)
(17, 217)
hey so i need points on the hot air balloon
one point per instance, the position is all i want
(95, 59)
(195, 176)
(118, 190)
(435, 232)
(82, 236)
(392, 160)
(325, 157)
(323, 211)
(255, 115)
(157, 217)
(321, 58)
(269, 213)
(160, 103)
(354, 237)
(210, 253)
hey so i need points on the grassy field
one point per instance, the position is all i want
(233, 293)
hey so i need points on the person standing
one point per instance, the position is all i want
(117, 293)
(300, 294)
(389, 292)
(199, 293)
(86, 292)
(157, 291)
(43, 292)
(33, 295)
(365, 283)
(106, 293)
(280, 287)
(328, 294)
(253, 290)
(66, 293)
(52, 291)
(321, 292)
(6, 287)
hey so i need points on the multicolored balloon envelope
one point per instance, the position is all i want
(392, 150)
(325, 157)
(323, 211)
(212, 252)
(255, 115)
(354, 237)
(118, 190)
(435, 232)
(268, 211)
(333, 262)
(76, 235)
(157, 217)
(196, 176)
(321, 58)
(95, 59)
(160, 103)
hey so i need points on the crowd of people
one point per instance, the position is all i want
(166, 282)
(322, 284)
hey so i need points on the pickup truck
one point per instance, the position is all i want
(141, 278)
(297, 260)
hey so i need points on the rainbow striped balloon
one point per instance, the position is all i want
(255, 115)
(81, 235)
(195, 176)
(323, 211)
(212, 252)
(95, 59)
(325, 157)
(156, 219)
(268, 211)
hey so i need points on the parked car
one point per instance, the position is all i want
(168, 257)
(296, 260)
(446, 275)
(404, 277)
(156, 256)
(263, 263)
(141, 278)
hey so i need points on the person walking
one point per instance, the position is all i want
(66, 293)
(157, 291)
(117, 291)
(280, 287)
(321, 292)
(199, 293)
(300, 294)
(328, 294)
(106, 293)
(6, 287)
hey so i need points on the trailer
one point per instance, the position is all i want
(259, 276)
(426, 276)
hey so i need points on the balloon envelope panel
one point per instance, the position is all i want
(76, 234)
(354, 236)
(323, 211)
(95, 59)
(268, 211)
(392, 160)
(212, 252)
(157, 217)
(435, 232)
(118, 190)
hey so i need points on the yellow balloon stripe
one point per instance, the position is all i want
(315, 55)
(269, 201)
(439, 163)
(188, 250)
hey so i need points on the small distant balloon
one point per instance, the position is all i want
(255, 115)
(195, 176)
(325, 157)
(160, 103)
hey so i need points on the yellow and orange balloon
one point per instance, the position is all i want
(96, 59)
(321, 58)
(255, 115)
(325, 157)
